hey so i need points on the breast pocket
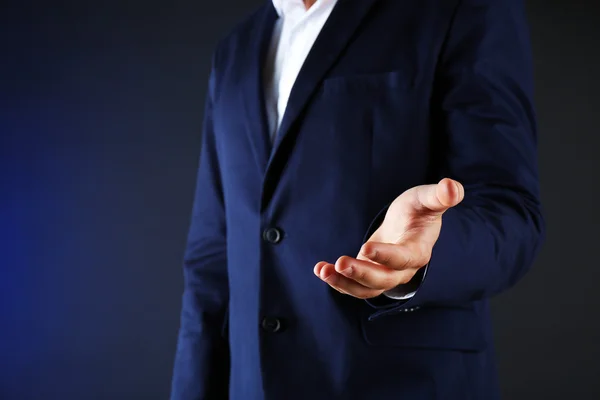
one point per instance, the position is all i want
(390, 101)
(374, 102)
(378, 84)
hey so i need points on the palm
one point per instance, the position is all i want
(399, 247)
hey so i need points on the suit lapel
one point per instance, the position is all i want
(343, 21)
(253, 88)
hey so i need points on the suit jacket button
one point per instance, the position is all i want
(272, 235)
(271, 324)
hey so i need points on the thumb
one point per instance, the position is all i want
(436, 199)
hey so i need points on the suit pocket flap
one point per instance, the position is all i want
(441, 328)
(376, 83)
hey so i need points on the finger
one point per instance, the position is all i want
(318, 267)
(324, 270)
(372, 275)
(346, 285)
(436, 199)
(395, 256)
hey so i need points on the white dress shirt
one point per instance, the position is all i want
(294, 34)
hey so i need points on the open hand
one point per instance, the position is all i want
(399, 247)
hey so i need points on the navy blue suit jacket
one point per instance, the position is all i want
(394, 94)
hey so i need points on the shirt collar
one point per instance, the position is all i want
(284, 7)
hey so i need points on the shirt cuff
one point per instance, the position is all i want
(407, 290)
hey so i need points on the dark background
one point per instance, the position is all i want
(100, 112)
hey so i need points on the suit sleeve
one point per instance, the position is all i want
(485, 138)
(201, 369)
